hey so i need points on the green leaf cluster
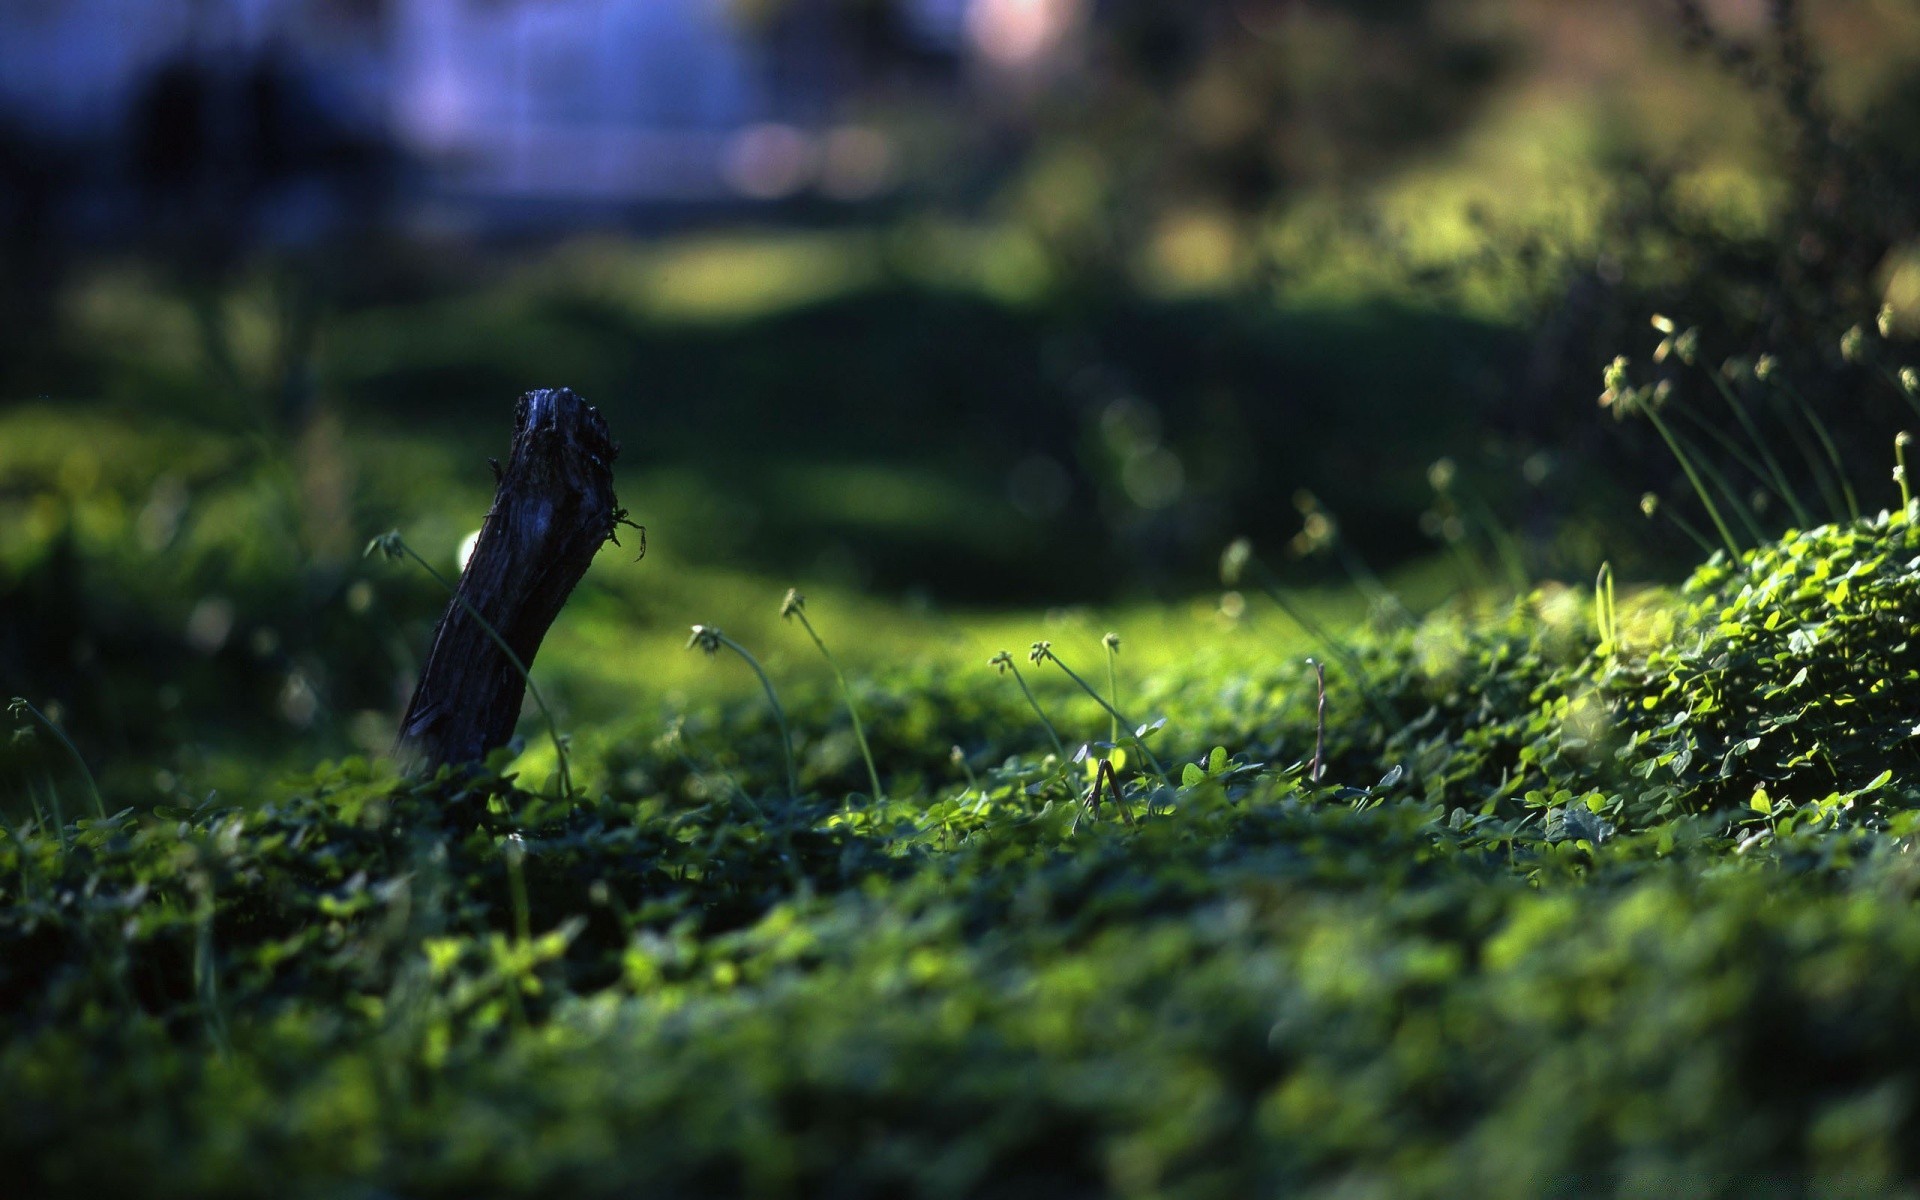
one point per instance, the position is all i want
(1552, 925)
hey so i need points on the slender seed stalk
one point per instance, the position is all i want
(57, 819)
(1604, 610)
(40, 819)
(23, 856)
(1827, 474)
(959, 758)
(1112, 643)
(1832, 452)
(710, 639)
(1835, 500)
(22, 706)
(1004, 661)
(1747, 462)
(206, 966)
(1699, 487)
(516, 856)
(59, 813)
(1378, 594)
(1827, 444)
(795, 605)
(1781, 486)
(1900, 443)
(1475, 574)
(1270, 584)
(1692, 531)
(1506, 551)
(1728, 492)
(394, 546)
(1319, 721)
(1504, 547)
(1043, 652)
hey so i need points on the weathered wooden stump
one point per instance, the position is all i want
(553, 508)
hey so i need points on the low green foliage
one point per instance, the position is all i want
(1801, 676)
(1783, 681)
(1596, 891)
(1559, 931)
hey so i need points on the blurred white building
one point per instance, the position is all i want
(74, 68)
(618, 101)
(591, 98)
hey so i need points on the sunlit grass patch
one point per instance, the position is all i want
(711, 277)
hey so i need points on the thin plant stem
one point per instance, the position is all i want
(533, 689)
(1379, 595)
(1900, 471)
(1104, 777)
(1113, 692)
(1731, 494)
(25, 854)
(1699, 487)
(1785, 489)
(773, 701)
(1827, 444)
(1319, 721)
(1270, 584)
(846, 692)
(39, 812)
(1006, 661)
(1836, 472)
(1472, 568)
(1604, 611)
(59, 812)
(960, 760)
(1824, 473)
(1504, 547)
(1687, 527)
(1088, 688)
(206, 967)
(1836, 503)
(1505, 550)
(58, 819)
(516, 856)
(21, 704)
(1748, 463)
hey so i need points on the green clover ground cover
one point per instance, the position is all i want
(1627, 916)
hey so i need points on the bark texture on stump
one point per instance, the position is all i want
(553, 508)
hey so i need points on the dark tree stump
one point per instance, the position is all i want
(552, 510)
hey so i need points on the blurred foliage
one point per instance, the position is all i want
(1590, 895)
(1226, 110)
(1158, 289)
(1081, 452)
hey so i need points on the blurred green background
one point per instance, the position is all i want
(977, 321)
